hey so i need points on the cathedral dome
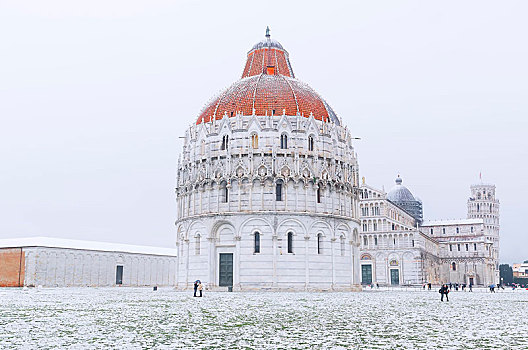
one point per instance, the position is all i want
(268, 87)
(400, 193)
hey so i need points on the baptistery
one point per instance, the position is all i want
(267, 186)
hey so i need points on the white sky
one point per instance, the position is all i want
(94, 95)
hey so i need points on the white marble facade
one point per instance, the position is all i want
(65, 267)
(393, 250)
(397, 249)
(279, 194)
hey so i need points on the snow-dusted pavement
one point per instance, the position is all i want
(126, 318)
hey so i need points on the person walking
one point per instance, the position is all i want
(200, 288)
(444, 290)
(471, 287)
(195, 286)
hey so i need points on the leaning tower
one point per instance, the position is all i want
(483, 205)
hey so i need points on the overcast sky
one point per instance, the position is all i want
(94, 95)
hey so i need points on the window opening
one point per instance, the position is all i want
(290, 242)
(257, 243)
(278, 191)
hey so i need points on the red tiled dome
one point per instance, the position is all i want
(268, 86)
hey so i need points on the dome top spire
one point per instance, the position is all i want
(268, 57)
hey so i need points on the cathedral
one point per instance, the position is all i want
(268, 197)
(399, 248)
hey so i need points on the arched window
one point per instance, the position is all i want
(453, 265)
(478, 207)
(365, 241)
(457, 230)
(278, 191)
(319, 194)
(225, 141)
(290, 242)
(342, 245)
(310, 143)
(202, 149)
(197, 245)
(254, 141)
(224, 192)
(284, 141)
(319, 243)
(257, 243)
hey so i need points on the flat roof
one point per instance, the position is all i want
(453, 222)
(50, 242)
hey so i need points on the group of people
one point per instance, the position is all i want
(198, 287)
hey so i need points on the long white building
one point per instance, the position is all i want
(54, 262)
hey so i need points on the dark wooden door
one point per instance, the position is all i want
(395, 276)
(119, 274)
(226, 270)
(366, 274)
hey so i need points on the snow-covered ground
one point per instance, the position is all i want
(136, 318)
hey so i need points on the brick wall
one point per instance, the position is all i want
(12, 265)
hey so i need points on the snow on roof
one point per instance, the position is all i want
(84, 245)
(453, 222)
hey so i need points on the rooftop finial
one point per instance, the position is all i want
(267, 32)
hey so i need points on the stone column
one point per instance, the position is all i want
(262, 185)
(239, 183)
(306, 263)
(187, 263)
(355, 264)
(274, 263)
(305, 197)
(236, 269)
(211, 262)
(332, 240)
(201, 199)
(352, 265)
(401, 269)
(250, 198)
(296, 190)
